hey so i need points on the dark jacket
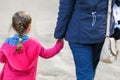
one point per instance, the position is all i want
(83, 21)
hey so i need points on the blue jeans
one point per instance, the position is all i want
(86, 59)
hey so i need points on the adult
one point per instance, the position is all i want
(83, 23)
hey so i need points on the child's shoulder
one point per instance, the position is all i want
(34, 40)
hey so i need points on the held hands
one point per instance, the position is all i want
(116, 34)
(60, 40)
(60, 43)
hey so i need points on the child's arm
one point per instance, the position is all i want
(2, 53)
(48, 53)
(2, 56)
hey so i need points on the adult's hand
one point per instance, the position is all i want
(60, 40)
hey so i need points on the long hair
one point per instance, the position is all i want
(20, 23)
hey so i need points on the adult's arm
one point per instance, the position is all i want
(66, 8)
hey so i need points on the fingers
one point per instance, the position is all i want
(61, 40)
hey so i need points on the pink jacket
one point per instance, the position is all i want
(23, 65)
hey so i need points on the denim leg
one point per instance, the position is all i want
(82, 54)
(96, 55)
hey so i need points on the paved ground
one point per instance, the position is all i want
(44, 15)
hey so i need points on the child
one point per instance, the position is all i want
(20, 53)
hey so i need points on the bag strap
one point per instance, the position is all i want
(108, 18)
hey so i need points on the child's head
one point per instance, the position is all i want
(21, 23)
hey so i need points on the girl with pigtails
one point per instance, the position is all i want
(17, 54)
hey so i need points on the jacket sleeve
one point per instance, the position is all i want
(2, 56)
(64, 15)
(118, 3)
(48, 53)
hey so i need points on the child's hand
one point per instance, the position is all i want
(60, 43)
(60, 40)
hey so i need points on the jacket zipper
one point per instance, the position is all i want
(93, 18)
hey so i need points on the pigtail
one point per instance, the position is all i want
(20, 23)
(20, 31)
